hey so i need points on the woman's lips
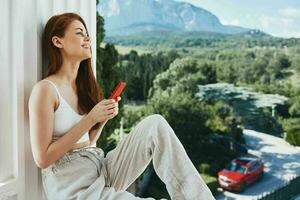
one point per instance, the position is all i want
(86, 46)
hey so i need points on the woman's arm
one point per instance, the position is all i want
(41, 119)
(95, 134)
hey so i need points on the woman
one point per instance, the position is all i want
(67, 114)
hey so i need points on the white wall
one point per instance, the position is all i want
(21, 64)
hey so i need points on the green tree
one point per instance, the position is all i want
(186, 115)
(139, 71)
(107, 76)
(292, 128)
(294, 109)
(284, 61)
(183, 75)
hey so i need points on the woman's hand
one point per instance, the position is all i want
(104, 110)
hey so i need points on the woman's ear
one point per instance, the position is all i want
(57, 42)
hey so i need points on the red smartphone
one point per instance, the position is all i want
(118, 90)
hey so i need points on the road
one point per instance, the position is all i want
(282, 163)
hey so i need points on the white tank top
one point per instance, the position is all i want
(65, 118)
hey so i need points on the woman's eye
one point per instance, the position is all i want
(82, 34)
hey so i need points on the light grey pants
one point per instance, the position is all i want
(86, 175)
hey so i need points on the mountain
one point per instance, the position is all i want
(126, 17)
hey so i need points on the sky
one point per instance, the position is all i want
(276, 17)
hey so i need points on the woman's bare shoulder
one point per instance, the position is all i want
(42, 91)
(42, 87)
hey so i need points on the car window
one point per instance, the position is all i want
(254, 166)
(251, 167)
(236, 168)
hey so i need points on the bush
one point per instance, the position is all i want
(134, 113)
(293, 138)
(291, 127)
(204, 168)
(186, 115)
(211, 182)
(212, 154)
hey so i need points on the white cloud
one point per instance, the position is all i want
(110, 9)
(233, 22)
(268, 22)
(280, 26)
(290, 12)
(296, 34)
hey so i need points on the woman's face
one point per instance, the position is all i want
(75, 43)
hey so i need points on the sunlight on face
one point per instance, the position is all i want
(76, 42)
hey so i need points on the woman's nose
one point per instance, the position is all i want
(87, 38)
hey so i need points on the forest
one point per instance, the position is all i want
(205, 85)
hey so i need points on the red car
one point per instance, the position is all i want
(241, 172)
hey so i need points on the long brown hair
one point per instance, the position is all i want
(88, 91)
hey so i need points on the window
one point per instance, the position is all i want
(254, 166)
